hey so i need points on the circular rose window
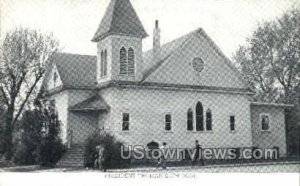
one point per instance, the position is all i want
(198, 64)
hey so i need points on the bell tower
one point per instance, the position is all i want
(119, 43)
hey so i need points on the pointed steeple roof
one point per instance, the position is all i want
(120, 19)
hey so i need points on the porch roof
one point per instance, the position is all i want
(95, 103)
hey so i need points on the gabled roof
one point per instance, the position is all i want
(95, 103)
(120, 18)
(79, 71)
(172, 47)
(76, 70)
(165, 51)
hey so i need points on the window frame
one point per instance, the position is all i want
(55, 77)
(208, 111)
(201, 124)
(190, 111)
(129, 72)
(260, 122)
(234, 123)
(198, 64)
(123, 57)
(123, 122)
(104, 63)
(165, 122)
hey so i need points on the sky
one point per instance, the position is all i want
(74, 22)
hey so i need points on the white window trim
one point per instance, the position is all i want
(204, 121)
(55, 77)
(134, 61)
(129, 123)
(260, 124)
(164, 122)
(194, 122)
(127, 75)
(105, 58)
(212, 121)
(232, 131)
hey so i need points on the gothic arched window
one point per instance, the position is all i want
(131, 61)
(208, 120)
(123, 61)
(199, 117)
(190, 120)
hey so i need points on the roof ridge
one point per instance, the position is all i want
(120, 18)
(67, 53)
(161, 62)
(178, 38)
(114, 9)
(185, 35)
(156, 66)
(74, 69)
(221, 53)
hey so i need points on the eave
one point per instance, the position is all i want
(174, 87)
(271, 104)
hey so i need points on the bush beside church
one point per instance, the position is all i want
(40, 141)
(112, 151)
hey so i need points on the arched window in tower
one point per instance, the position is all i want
(131, 64)
(208, 120)
(102, 64)
(123, 61)
(199, 117)
(190, 120)
(105, 63)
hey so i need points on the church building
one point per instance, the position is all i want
(177, 92)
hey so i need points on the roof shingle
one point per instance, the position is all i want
(95, 103)
(76, 70)
(165, 51)
(120, 18)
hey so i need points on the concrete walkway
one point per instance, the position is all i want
(284, 167)
(29, 168)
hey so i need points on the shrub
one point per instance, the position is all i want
(24, 155)
(50, 152)
(112, 150)
(40, 140)
(25, 151)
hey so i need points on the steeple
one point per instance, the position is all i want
(120, 19)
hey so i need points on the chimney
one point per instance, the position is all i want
(156, 42)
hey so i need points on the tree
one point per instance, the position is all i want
(51, 148)
(271, 59)
(24, 55)
(271, 63)
(40, 142)
(2, 113)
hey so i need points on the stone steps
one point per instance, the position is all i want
(74, 157)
